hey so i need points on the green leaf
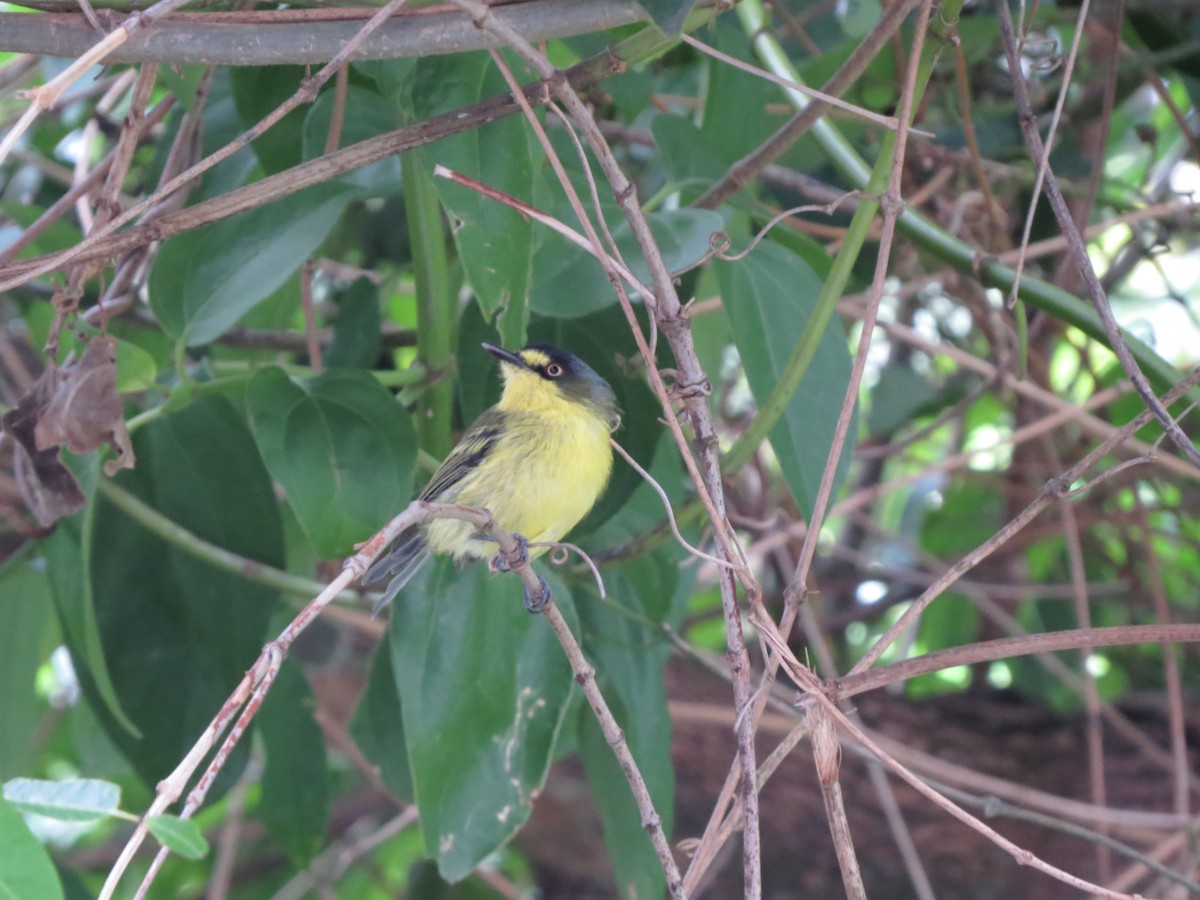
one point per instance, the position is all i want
(59, 236)
(629, 658)
(205, 280)
(154, 343)
(391, 76)
(898, 395)
(478, 374)
(969, 514)
(26, 612)
(26, 872)
(257, 91)
(356, 328)
(494, 242)
(768, 297)
(182, 836)
(951, 622)
(366, 115)
(220, 126)
(683, 153)
(342, 447)
(71, 800)
(378, 726)
(136, 369)
(570, 282)
(734, 120)
(182, 80)
(178, 634)
(643, 512)
(295, 789)
(483, 687)
(67, 553)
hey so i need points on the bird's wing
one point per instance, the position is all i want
(408, 551)
(399, 563)
(474, 447)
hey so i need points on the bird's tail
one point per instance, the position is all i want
(399, 562)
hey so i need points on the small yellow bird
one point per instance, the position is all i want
(538, 460)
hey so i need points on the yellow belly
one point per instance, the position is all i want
(541, 479)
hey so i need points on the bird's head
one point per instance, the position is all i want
(542, 378)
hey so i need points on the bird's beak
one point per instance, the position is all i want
(505, 355)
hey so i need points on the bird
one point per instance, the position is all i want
(538, 460)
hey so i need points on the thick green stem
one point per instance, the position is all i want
(217, 557)
(435, 304)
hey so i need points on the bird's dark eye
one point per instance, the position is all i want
(554, 370)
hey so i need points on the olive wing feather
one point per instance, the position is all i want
(469, 453)
(407, 553)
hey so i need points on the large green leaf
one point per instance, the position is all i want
(478, 372)
(205, 280)
(257, 91)
(67, 553)
(178, 634)
(494, 242)
(570, 282)
(378, 726)
(222, 124)
(71, 800)
(26, 612)
(769, 297)
(342, 448)
(484, 688)
(391, 76)
(295, 789)
(684, 156)
(365, 114)
(25, 868)
(356, 328)
(735, 120)
(629, 658)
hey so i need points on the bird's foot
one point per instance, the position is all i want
(541, 601)
(502, 563)
(507, 563)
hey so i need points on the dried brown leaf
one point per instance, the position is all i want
(47, 486)
(84, 410)
(76, 405)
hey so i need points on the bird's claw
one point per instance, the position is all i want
(502, 563)
(541, 601)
